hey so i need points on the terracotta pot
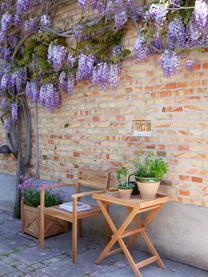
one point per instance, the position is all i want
(125, 193)
(148, 187)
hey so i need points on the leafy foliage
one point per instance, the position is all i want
(151, 167)
(122, 174)
(32, 198)
(125, 185)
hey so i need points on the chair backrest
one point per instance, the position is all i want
(96, 179)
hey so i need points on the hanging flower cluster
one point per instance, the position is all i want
(36, 60)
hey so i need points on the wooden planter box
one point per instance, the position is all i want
(30, 222)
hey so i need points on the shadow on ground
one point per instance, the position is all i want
(20, 256)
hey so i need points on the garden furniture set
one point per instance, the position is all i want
(105, 196)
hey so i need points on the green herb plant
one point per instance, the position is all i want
(151, 167)
(122, 177)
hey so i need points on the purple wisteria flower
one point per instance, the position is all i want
(77, 31)
(45, 21)
(176, 3)
(189, 64)
(4, 81)
(120, 19)
(22, 6)
(17, 21)
(117, 50)
(100, 6)
(85, 67)
(156, 44)
(158, 13)
(62, 82)
(4, 104)
(49, 97)
(113, 75)
(70, 84)
(6, 21)
(56, 56)
(32, 91)
(101, 75)
(201, 13)
(140, 49)
(19, 79)
(169, 63)
(5, 54)
(82, 3)
(176, 33)
(30, 26)
(3, 36)
(7, 123)
(43, 91)
(70, 60)
(14, 113)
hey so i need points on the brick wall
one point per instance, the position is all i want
(94, 128)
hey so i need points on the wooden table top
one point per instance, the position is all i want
(134, 202)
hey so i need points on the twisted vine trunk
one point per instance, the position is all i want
(15, 141)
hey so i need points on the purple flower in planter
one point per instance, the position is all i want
(26, 183)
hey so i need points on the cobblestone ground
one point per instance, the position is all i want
(21, 256)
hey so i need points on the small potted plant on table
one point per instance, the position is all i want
(149, 174)
(30, 192)
(124, 187)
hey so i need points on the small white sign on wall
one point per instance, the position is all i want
(142, 128)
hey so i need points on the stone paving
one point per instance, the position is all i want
(21, 256)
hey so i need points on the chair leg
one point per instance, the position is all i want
(74, 241)
(79, 228)
(41, 228)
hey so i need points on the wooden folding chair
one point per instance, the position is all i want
(87, 177)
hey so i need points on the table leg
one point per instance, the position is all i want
(117, 237)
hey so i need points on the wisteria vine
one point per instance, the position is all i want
(37, 60)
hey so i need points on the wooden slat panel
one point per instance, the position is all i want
(93, 178)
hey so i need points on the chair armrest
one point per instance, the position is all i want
(86, 193)
(44, 186)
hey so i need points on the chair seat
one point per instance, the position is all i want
(68, 216)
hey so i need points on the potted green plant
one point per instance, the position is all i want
(30, 193)
(149, 173)
(124, 187)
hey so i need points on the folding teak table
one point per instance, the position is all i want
(135, 205)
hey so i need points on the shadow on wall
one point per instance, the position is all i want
(7, 192)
